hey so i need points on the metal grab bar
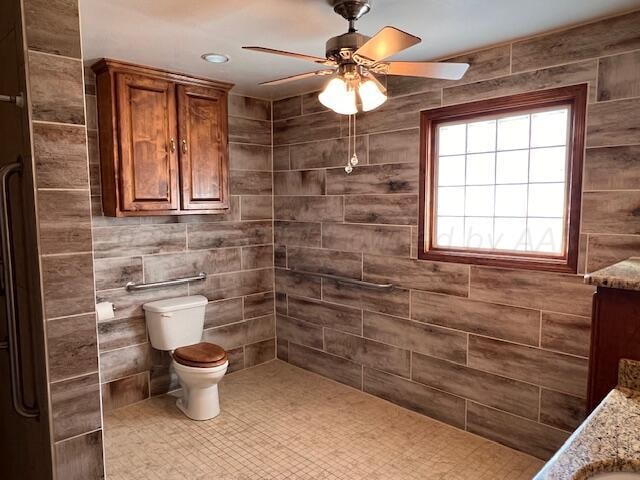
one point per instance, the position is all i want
(133, 286)
(352, 281)
(7, 280)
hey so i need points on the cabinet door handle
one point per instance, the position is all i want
(184, 146)
(172, 145)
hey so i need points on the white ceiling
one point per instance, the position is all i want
(172, 34)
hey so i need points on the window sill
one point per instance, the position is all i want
(521, 262)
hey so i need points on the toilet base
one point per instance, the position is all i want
(199, 403)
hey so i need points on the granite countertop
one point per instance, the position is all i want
(608, 440)
(624, 275)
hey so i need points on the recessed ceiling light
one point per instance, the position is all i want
(215, 57)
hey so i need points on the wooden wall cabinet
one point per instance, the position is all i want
(163, 141)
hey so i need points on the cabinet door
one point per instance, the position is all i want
(147, 130)
(204, 157)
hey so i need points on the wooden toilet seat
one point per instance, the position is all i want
(200, 355)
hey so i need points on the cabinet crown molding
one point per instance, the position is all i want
(113, 65)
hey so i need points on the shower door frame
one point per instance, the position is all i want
(25, 428)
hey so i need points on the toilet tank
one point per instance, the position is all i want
(175, 322)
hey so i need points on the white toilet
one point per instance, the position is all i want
(176, 325)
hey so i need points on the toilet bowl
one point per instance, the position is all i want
(199, 399)
(176, 325)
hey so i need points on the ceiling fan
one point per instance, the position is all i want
(354, 60)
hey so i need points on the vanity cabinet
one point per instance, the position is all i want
(163, 141)
(615, 325)
(615, 335)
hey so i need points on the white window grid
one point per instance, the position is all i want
(528, 183)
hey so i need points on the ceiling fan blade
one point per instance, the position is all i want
(300, 56)
(385, 43)
(442, 70)
(300, 76)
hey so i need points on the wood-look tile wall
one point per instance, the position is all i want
(499, 352)
(55, 77)
(235, 249)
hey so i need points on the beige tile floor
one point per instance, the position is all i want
(281, 422)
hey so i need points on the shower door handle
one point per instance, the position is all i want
(12, 344)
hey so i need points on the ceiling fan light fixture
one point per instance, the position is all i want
(371, 95)
(338, 97)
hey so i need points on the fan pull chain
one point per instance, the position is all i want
(349, 168)
(353, 159)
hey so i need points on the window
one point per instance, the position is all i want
(500, 180)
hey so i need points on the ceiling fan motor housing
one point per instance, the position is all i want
(341, 47)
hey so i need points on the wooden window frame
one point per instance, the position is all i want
(575, 97)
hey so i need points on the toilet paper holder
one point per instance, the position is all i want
(105, 310)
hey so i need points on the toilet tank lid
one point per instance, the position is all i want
(172, 304)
